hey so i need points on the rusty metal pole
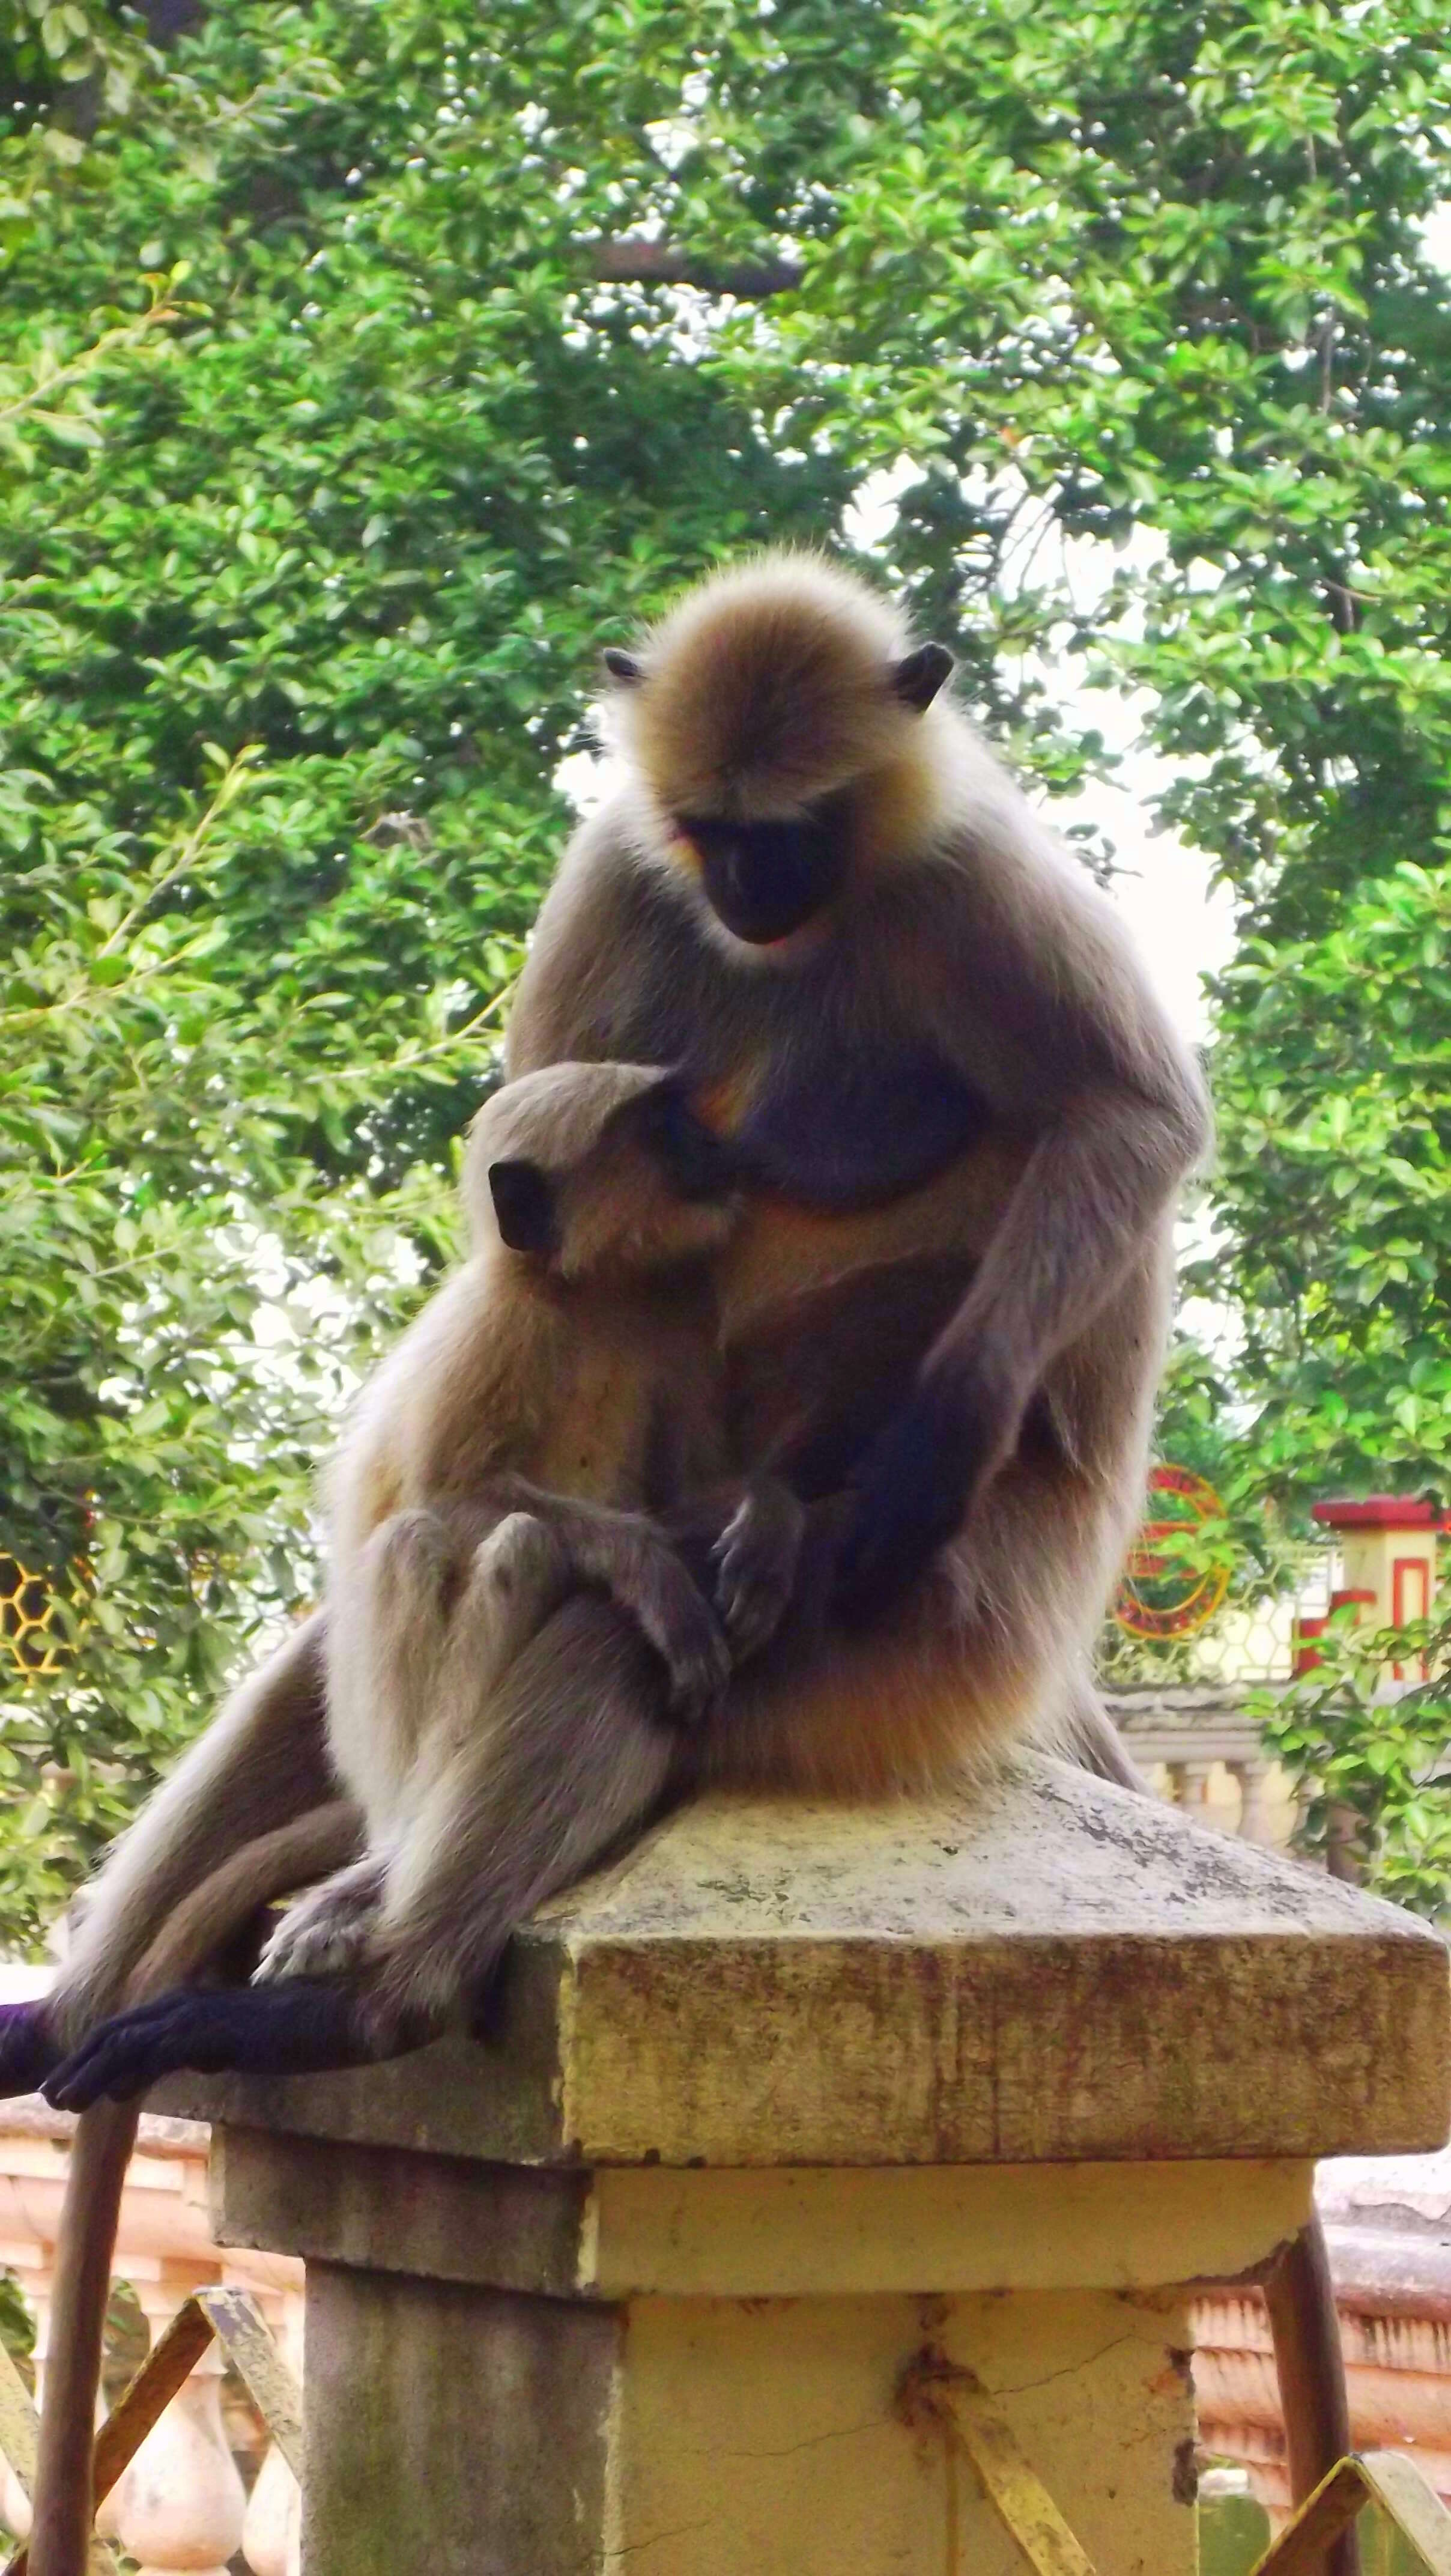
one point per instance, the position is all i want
(1301, 2300)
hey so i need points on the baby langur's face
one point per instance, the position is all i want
(590, 1169)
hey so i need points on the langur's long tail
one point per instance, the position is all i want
(1085, 1733)
(274, 1865)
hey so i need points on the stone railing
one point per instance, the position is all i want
(183, 2502)
(1388, 2222)
(1198, 1748)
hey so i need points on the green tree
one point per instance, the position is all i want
(1375, 1773)
(1161, 276)
(494, 325)
(307, 556)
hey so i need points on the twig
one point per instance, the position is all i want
(633, 262)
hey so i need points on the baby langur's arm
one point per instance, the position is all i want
(750, 1571)
(634, 1560)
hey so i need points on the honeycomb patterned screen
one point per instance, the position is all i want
(37, 1634)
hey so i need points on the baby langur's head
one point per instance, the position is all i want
(589, 1169)
(765, 715)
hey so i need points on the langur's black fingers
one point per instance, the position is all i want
(486, 2007)
(912, 1494)
(756, 1569)
(684, 1631)
(697, 1681)
(122, 2056)
(28, 2048)
(112, 2064)
(752, 1619)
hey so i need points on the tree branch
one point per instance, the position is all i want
(633, 262)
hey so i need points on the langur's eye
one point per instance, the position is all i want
(697, 1163)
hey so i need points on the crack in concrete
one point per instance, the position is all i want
(657, 2540)
(1090, 2361)
(813, 2441)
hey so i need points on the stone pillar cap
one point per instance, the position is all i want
(1052, 1971)
(1380, 1511)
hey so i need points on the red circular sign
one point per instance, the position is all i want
(1160, 1596)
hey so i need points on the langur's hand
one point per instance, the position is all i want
(28, 2049)
(919, 1481)
(650, 1582)
(755, 1558)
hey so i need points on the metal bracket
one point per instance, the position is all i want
(948, 2396)
(1383, 2479)
(230, 2317)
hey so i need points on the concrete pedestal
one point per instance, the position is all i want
(786, 2101)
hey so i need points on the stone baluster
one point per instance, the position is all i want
(1194, 1792)
(187, 2506)
(182, 2501)
(1254, 1812)
(32, 2279)
(272, 2532)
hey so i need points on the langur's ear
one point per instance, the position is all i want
(523, 1206)
(918, 677)
(623, 667)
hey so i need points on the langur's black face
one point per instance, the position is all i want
(652, 1185)
(524, 1207)
(698, 1164)
(764, 880)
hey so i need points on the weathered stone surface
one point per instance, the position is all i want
(746, 2232)
(790, 2106)
(1055, 1971)
(453, 2432)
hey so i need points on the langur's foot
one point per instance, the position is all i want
(522, 1563)
(326, 1933)
(416, 1568)
(305, 2027)
(519, 1575)
(29, 2049)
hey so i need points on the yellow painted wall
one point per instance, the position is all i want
(763, 2434)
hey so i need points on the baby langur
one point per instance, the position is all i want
(564, 1384)
(575, 1354)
